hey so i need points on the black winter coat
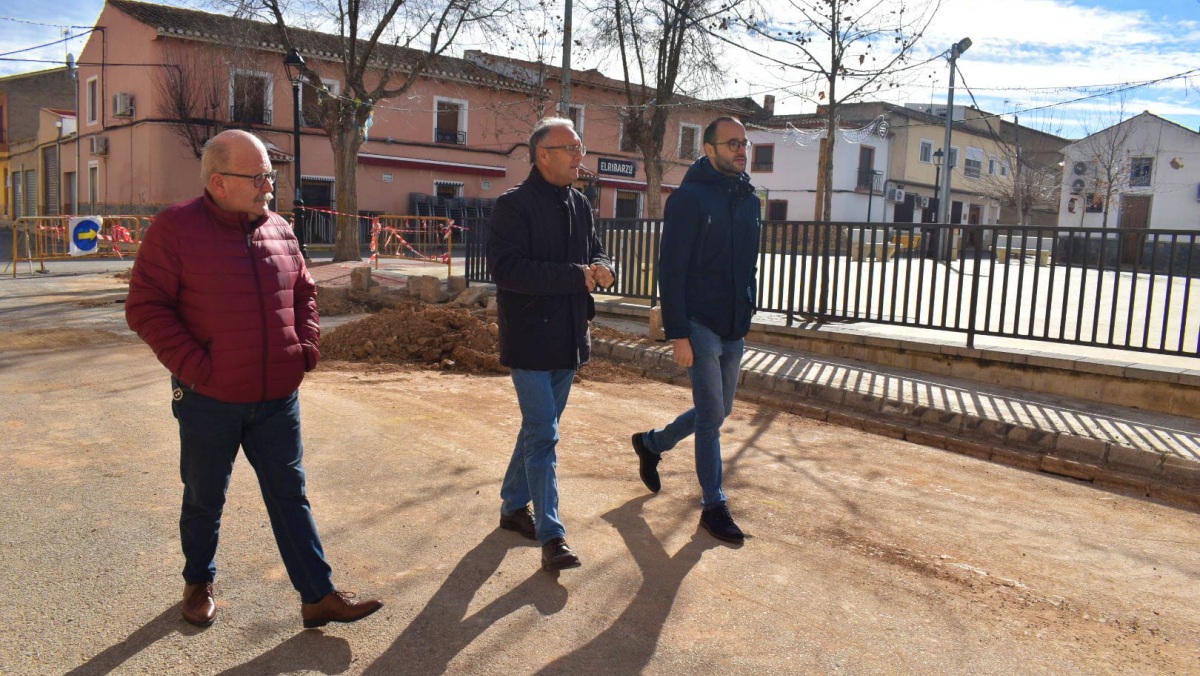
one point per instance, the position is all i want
(541, 239)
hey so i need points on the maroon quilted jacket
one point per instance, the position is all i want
(226, 304)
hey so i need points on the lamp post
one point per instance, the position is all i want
(955, 51)
(939, 156)
(294, 64)
(875, 174)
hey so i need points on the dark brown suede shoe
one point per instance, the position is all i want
(337, 606)
(556, 555)
(199, 607)
(520, 521)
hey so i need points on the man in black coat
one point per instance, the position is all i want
(546, 259)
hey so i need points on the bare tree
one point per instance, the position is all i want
(374, 46)
(665, 54)
(192, 91)
(1107, 156)
(1022, 186)
(842, 50)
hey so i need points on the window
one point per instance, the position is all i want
(575, 114)
(93, 100)
(952, 160)
(628, 204)
(447, 189)
(1094, 203)
(3, 126)
(927, 151)
(1139, 172)
(992, 165)
(627, 144)
(777, 210)
(866, 169)
(450, 122)
(973, 167)
(764, 158)
(1004, 168)
(310, 101)
(93, 183)
(689, 142)
(250, 97)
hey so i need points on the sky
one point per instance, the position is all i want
(1056, 65)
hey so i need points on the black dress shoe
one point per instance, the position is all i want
(556, 555)
(199, 607)
(718, 521)
(520, 521)
(647, 463)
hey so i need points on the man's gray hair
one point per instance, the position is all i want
(218, 151)
(542, 128)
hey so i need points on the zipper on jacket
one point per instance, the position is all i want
(262, 311)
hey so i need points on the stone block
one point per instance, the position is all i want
(656, 331)
(492, 309)
(1121, 483)
(1137, 460)
(471, 297)
(456, 284)
(925, 438)
(360, 278)
(1181, 472)
(1083, 449)
(1068, 468)
(1014, 457)
(1185, 497)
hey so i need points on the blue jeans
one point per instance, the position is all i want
(210, 432)
(714, 376)
(542, 396)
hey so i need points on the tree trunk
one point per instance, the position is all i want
(654, 176)
(346, 139)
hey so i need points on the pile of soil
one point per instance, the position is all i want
(433, 336)
(447, 338)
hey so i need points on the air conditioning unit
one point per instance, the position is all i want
(925, 201)
(122, 104)
(1080, 168)
(1077, 186)
(99, 145)
(895, 195)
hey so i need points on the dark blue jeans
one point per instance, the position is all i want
(210, 433)
(714, 375)
(531, 476)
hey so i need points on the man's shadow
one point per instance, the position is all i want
(627, 646)
(307, 651)
(443, 629)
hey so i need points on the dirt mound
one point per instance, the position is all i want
(445, 338)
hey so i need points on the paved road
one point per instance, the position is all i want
(866, 555)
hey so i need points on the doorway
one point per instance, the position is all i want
(1135, 215)
(318, 194)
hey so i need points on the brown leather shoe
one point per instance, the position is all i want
(199, 608)
(337, 606)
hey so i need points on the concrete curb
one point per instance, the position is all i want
(1079, 455)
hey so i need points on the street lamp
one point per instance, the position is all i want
(957, 49)
(875, 174)
(294, 64)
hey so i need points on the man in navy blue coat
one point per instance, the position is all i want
(706, 274)
(546, 259)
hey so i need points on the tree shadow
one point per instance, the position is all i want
(308, 651)
(627, 646)
(167, 622)
(443, 629)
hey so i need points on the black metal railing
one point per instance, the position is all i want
(1130, 289)
(450, 136)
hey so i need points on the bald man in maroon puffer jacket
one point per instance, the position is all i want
(221, 294)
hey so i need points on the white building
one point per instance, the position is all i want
(783, 167)
(1141, 173)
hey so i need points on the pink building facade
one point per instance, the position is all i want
(458, 133)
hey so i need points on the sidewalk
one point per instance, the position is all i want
(1120, 448)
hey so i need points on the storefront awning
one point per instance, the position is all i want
(435, 165)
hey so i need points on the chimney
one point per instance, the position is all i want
(769, 104)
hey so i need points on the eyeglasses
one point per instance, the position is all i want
(259, 179)
(735, 145)
(574, 150)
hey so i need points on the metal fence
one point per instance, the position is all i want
(1128, 289)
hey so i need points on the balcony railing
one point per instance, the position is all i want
(249, 115)
(450, 136)
(866, 179)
